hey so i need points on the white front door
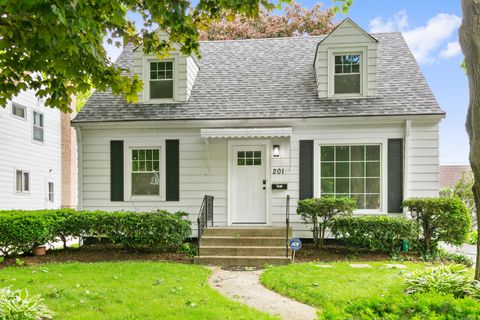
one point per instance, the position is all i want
(249, 185)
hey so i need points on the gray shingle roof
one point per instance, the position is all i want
(274, 78)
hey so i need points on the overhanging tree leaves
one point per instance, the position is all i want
(55, 47)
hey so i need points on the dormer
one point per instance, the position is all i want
(168, 79)
(346, 63)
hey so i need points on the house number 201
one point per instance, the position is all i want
(278, 171)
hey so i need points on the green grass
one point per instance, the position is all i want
(338, 285)
(126, 290)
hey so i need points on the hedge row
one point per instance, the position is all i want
(372, 232)
(20, 231)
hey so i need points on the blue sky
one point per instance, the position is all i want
(431, 30)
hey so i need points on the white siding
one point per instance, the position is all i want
(19, 151)
(348, 37)
(204, 167)
(423, 160)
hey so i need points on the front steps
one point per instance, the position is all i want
(243, 246)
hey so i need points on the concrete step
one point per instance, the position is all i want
(247, 231)
(266, 251)
(242, 241)
(241, 261)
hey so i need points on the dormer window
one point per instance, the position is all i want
(347, 77)
(161, 80)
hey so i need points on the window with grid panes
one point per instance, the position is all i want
(347, 74)
(351, 171)
(249, 158)
(145, 172)
(161, 80)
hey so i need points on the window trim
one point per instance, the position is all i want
(33, 126)
(362, 51)
(25, 108)
(22, 192)
(127, 188)
(146, 79)
(382, 142)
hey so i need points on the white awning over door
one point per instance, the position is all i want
(246, 133)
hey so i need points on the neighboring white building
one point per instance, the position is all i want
(253, 121)
(30, 154)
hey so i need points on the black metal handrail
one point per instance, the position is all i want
(287, 222)
(204, 216)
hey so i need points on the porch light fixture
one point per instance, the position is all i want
(276, 151)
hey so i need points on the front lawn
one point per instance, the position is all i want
(336, 284)
(126, 290)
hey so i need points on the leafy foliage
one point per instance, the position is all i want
(417, 306)
(464, 190)
(296, 21)
(319, 212)
(57, 48)
(19, 305)
(376, 233)
(441, 219)
(446, 279)
(458, 258)
(22, 230)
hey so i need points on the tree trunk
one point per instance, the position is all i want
(469, 34)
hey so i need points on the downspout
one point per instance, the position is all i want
(78, 132)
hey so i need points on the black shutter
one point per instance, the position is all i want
(306, 169)
(116, 171)
(395, 175)
(172, 175)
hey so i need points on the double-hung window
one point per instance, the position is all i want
(22, 181)
(145, 172)
(347, 76)
(19, 110)
(37, 126)
(351, 171)
(161, 80)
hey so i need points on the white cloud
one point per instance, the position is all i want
(398, 22)
(424, 41)
(452, 50)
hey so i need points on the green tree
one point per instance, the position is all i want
(440, 219)
(55, 47)
(319, 212)
(469, 34)
(464, 190)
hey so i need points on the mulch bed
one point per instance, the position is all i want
(331, 253)
(96, 253)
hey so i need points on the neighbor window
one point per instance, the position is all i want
(145, 172)
(19, 110)
(351, 171)
(161, 80)
(51, 193)
(347, 74)
(22, 181)
(37, 126)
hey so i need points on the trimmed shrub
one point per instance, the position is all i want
(441, 219)
(18, 305)
(20, 231)
(376, 233)
(320, 211)
(446, 279)
(417, 306)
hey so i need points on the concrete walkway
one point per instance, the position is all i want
(245, 287)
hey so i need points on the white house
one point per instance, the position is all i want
(255, 121)
(31, 161)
